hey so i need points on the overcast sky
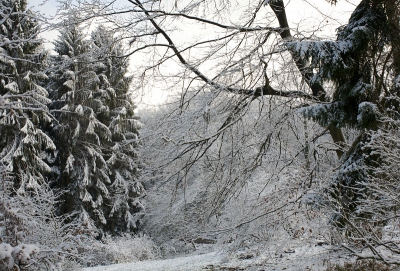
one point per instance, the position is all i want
(310, 13)
(48, 7)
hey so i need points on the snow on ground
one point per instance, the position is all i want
(292, 256)
(193, 263)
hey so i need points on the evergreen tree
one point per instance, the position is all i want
(97, 133)
(364, 66)
(25, 149)
(23, 99)
(124, 209)
(79, 169)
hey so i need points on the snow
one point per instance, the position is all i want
(12, 87)
(397, 81)
(22, 253)
(5, 254)
(193, 263)
(365, 110)
(290, 255)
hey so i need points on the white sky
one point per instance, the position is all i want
(311, 14)
(48, 9)
(308, 12)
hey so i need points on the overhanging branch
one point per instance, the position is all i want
(318, 92)
(317, 89)
(264, 91)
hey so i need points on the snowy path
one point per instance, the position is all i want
(301, 257)
(190, 263)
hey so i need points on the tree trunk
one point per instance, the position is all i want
(318, 91)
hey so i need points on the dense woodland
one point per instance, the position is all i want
(271, 130)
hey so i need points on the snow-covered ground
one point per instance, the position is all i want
(193, 262)
(297, 256)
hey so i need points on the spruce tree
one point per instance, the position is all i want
(124, 209)
(96, 132)
(364, 66)
(80, 170)
(25, 149)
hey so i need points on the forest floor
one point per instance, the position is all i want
(293, 256)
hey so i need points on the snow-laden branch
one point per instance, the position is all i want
(267, 90)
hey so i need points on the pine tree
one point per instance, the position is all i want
(124, 209)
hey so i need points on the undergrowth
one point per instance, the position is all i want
(363, 265)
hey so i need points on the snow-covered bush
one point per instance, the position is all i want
(34, 238)
(124, 249)
(20, 255)
(366, 206)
